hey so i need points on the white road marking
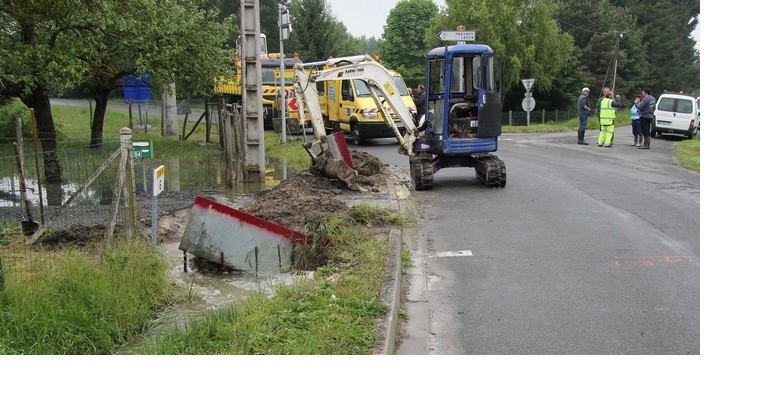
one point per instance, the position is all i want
(460, 253)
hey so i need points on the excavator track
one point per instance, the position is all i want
(422, 173)
(492, 171)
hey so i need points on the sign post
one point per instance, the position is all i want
(158, 187)
(528, 104)
(143, 149)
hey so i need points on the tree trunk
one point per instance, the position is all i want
(39, 100)
(101, 104)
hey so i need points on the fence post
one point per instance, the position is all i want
(130, 203)
(543, 116)
(510, 117)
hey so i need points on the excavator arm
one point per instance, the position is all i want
(379, 81)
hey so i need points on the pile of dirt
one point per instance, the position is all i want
(305, 197)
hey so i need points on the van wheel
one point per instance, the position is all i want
(689, 136)
(355, 136)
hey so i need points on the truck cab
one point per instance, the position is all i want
(347, 106)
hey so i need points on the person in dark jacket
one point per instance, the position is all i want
(646, 114)
(419, 101)
(584, 110)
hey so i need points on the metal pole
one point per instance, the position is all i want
(282, 83)
(614, 71)
(153, 221)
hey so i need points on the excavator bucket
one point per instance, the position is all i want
(331, 158)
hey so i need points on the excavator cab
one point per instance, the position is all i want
(464, 115)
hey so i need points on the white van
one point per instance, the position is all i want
(676, 114)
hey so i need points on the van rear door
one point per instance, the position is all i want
(676, 115)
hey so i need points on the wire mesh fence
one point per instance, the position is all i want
(25, 194)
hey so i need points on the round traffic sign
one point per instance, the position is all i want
(528, 104)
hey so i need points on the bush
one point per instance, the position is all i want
(8, 114)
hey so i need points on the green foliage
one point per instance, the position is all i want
(292, 150)
(8, 115)
(403, 47)
(523, 32)
(316, 34)
(82, 301)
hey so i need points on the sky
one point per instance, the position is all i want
(368, 17)
(365, 17)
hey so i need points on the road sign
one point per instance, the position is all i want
(528, 104)
(142, 149)
(528, 83)
(467, 36)
(158, 180)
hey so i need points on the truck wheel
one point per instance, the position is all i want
(355, 136)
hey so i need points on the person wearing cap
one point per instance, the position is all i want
(584, 110)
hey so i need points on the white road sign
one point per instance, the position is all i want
(466, 36)
(528, 104)
(158, 180)
(528, 83)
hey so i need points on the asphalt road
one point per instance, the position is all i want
(587, 250)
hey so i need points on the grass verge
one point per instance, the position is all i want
(335, 312)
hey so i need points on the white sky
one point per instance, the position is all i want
(365, 17)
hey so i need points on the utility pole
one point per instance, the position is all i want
(618, 35)
(253, 107)
(284, 24)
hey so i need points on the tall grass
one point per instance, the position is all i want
(81, 300)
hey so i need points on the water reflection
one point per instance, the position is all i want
(185, 174)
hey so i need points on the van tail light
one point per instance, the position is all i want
(692, 124)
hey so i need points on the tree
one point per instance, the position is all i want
(317, 35)
(403, 47)
(36, 55)
(59, 44)
(665, 28)
(148, 37)
(656, 49)
(524, 32)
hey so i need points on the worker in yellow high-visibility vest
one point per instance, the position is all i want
(607, 115)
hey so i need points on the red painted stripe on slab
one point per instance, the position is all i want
(340, 141)
(269, 226)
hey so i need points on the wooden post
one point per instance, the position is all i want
(130, 203)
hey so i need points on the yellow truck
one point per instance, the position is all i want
(232, 90)
(347, 106)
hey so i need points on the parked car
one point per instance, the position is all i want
(676, 114)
